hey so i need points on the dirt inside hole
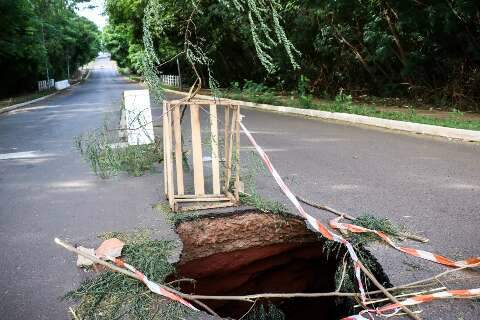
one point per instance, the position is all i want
(255, 252)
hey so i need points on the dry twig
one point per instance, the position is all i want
(344, 272)
(386, 293)
(252, 297)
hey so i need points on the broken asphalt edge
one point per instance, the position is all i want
(418, 128)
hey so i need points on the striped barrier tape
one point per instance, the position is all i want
(394, 307)
(154, 287)
(336, 224)
(466, 293)
(317, 225)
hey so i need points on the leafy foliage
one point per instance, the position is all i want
(304, 96)
(255, 168)
(36, 34)
(421, 50)
(375, 223)
(269, 312)
(122, 37)
(112, 295)
(107, 160)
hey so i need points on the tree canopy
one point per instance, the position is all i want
(426, 50)
(36, 34)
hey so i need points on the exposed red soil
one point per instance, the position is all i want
(212, 235)
(254, 253)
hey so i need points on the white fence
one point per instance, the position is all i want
(60, 85)
(170, 80)
(46, 84)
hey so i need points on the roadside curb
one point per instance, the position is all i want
(19, 105)
(427, 129)
(88, 74)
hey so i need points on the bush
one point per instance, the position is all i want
(343, 102)
(258, 92)
(304, 96)
(107, 159)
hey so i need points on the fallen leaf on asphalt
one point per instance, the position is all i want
(111, 247)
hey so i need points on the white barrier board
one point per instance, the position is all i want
(60, 85)
(138, 117)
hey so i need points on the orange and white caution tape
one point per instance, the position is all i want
(317, 225)
(395, 307)
(449, 294)
(336, 224)
(154, 287)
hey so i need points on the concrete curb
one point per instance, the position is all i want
(81, 79)
(88, 74)
(438, 131)
(18, 105)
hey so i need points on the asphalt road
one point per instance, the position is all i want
(48, 191)
(430, 185)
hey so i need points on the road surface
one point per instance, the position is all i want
(48, 191)
(432, 186)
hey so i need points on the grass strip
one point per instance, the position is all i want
(346, 105)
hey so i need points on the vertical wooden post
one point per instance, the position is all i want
(237, 153)
(165, 178)
(226, 142)
(198, 179)
(177, 129)
(168, 155)
(230, 147)
(215, 158)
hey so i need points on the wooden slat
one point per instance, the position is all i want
(165, 179)
(227, 147)
(168, 156)
(203, 206)
(230, 147)
(192, 196)
(203, 102)
(204, 199)
(177, 130)
(237, 153)
(198, 179)
(215, 158)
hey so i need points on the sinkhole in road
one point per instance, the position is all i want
(248, 252)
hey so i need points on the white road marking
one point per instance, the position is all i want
(462, 186)
(345, 186)
(269, 132)
(24, 155)
(75, 184)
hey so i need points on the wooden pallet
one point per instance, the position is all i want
(173, 155)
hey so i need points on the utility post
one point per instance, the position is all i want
(179, 75)
(68, 67)
(46, 56)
